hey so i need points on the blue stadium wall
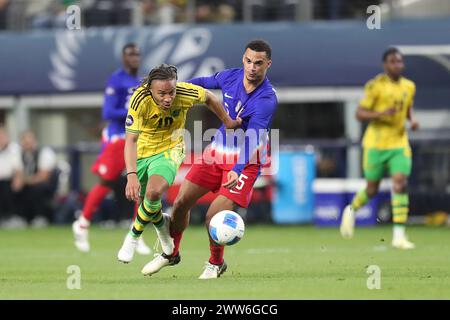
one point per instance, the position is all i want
(307, 54)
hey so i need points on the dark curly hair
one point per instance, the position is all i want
(161, 72)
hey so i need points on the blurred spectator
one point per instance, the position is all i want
(167, 12)
(40, 181)
(108, 12)
(11, 174)
(161, 12)
(204, 13)
(225, 13)
(46, 14)
(274, 10)
(222, 11)
(3, 14)
(149, 12)
(342, 9)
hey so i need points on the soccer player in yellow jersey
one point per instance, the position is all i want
(387, 103)
(154, 148)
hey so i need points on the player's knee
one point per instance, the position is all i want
(153, 194)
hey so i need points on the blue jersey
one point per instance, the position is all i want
(118, 91)
(256, 110)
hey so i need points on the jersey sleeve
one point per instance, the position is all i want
(191, 94)
(133, 121)
(370, 95)
(47, 159)
(16, 157)
(213, 82)
(111, 110)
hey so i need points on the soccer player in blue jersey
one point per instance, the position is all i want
(231, 163)
(110, 163)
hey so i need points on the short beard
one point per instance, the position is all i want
(256, 80)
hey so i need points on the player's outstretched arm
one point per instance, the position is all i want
(213, 104)
(133, 188)
(111, 109)
(206, 82)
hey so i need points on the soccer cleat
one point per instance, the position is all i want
(347, 223)
(81, 236)
(160, 261)
(164, 237)
(213, 271)
(403, 243)
(142, 248)
(126, 253)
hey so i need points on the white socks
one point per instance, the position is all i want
(399, 231)
(84, 223)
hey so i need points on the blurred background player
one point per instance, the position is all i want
(234, 168)
(40, 181)
(110, 163)
(154, 150)
(11, 175)
(387, 103)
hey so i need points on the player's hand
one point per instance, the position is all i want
(232, 124)
(414, 125)
(133, 188)
(232, 180)
(17, 184)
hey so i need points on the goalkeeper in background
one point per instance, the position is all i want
(387, 103)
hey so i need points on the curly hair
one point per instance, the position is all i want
(161, 72)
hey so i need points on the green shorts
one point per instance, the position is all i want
(164, 164)
(376, 161)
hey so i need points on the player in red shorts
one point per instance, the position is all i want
(233, 161)
(110, 162)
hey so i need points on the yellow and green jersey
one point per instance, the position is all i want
(160, 130)
(381, 94)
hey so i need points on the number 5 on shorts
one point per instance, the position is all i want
(241, 182)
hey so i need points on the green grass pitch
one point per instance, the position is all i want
(271, 262)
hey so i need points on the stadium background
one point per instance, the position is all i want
(52, 81)
(323, 55)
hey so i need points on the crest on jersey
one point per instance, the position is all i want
(176, 112)
(110, 91)
(129, 121)
(238, 106)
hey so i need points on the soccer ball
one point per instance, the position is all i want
(226, 228)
